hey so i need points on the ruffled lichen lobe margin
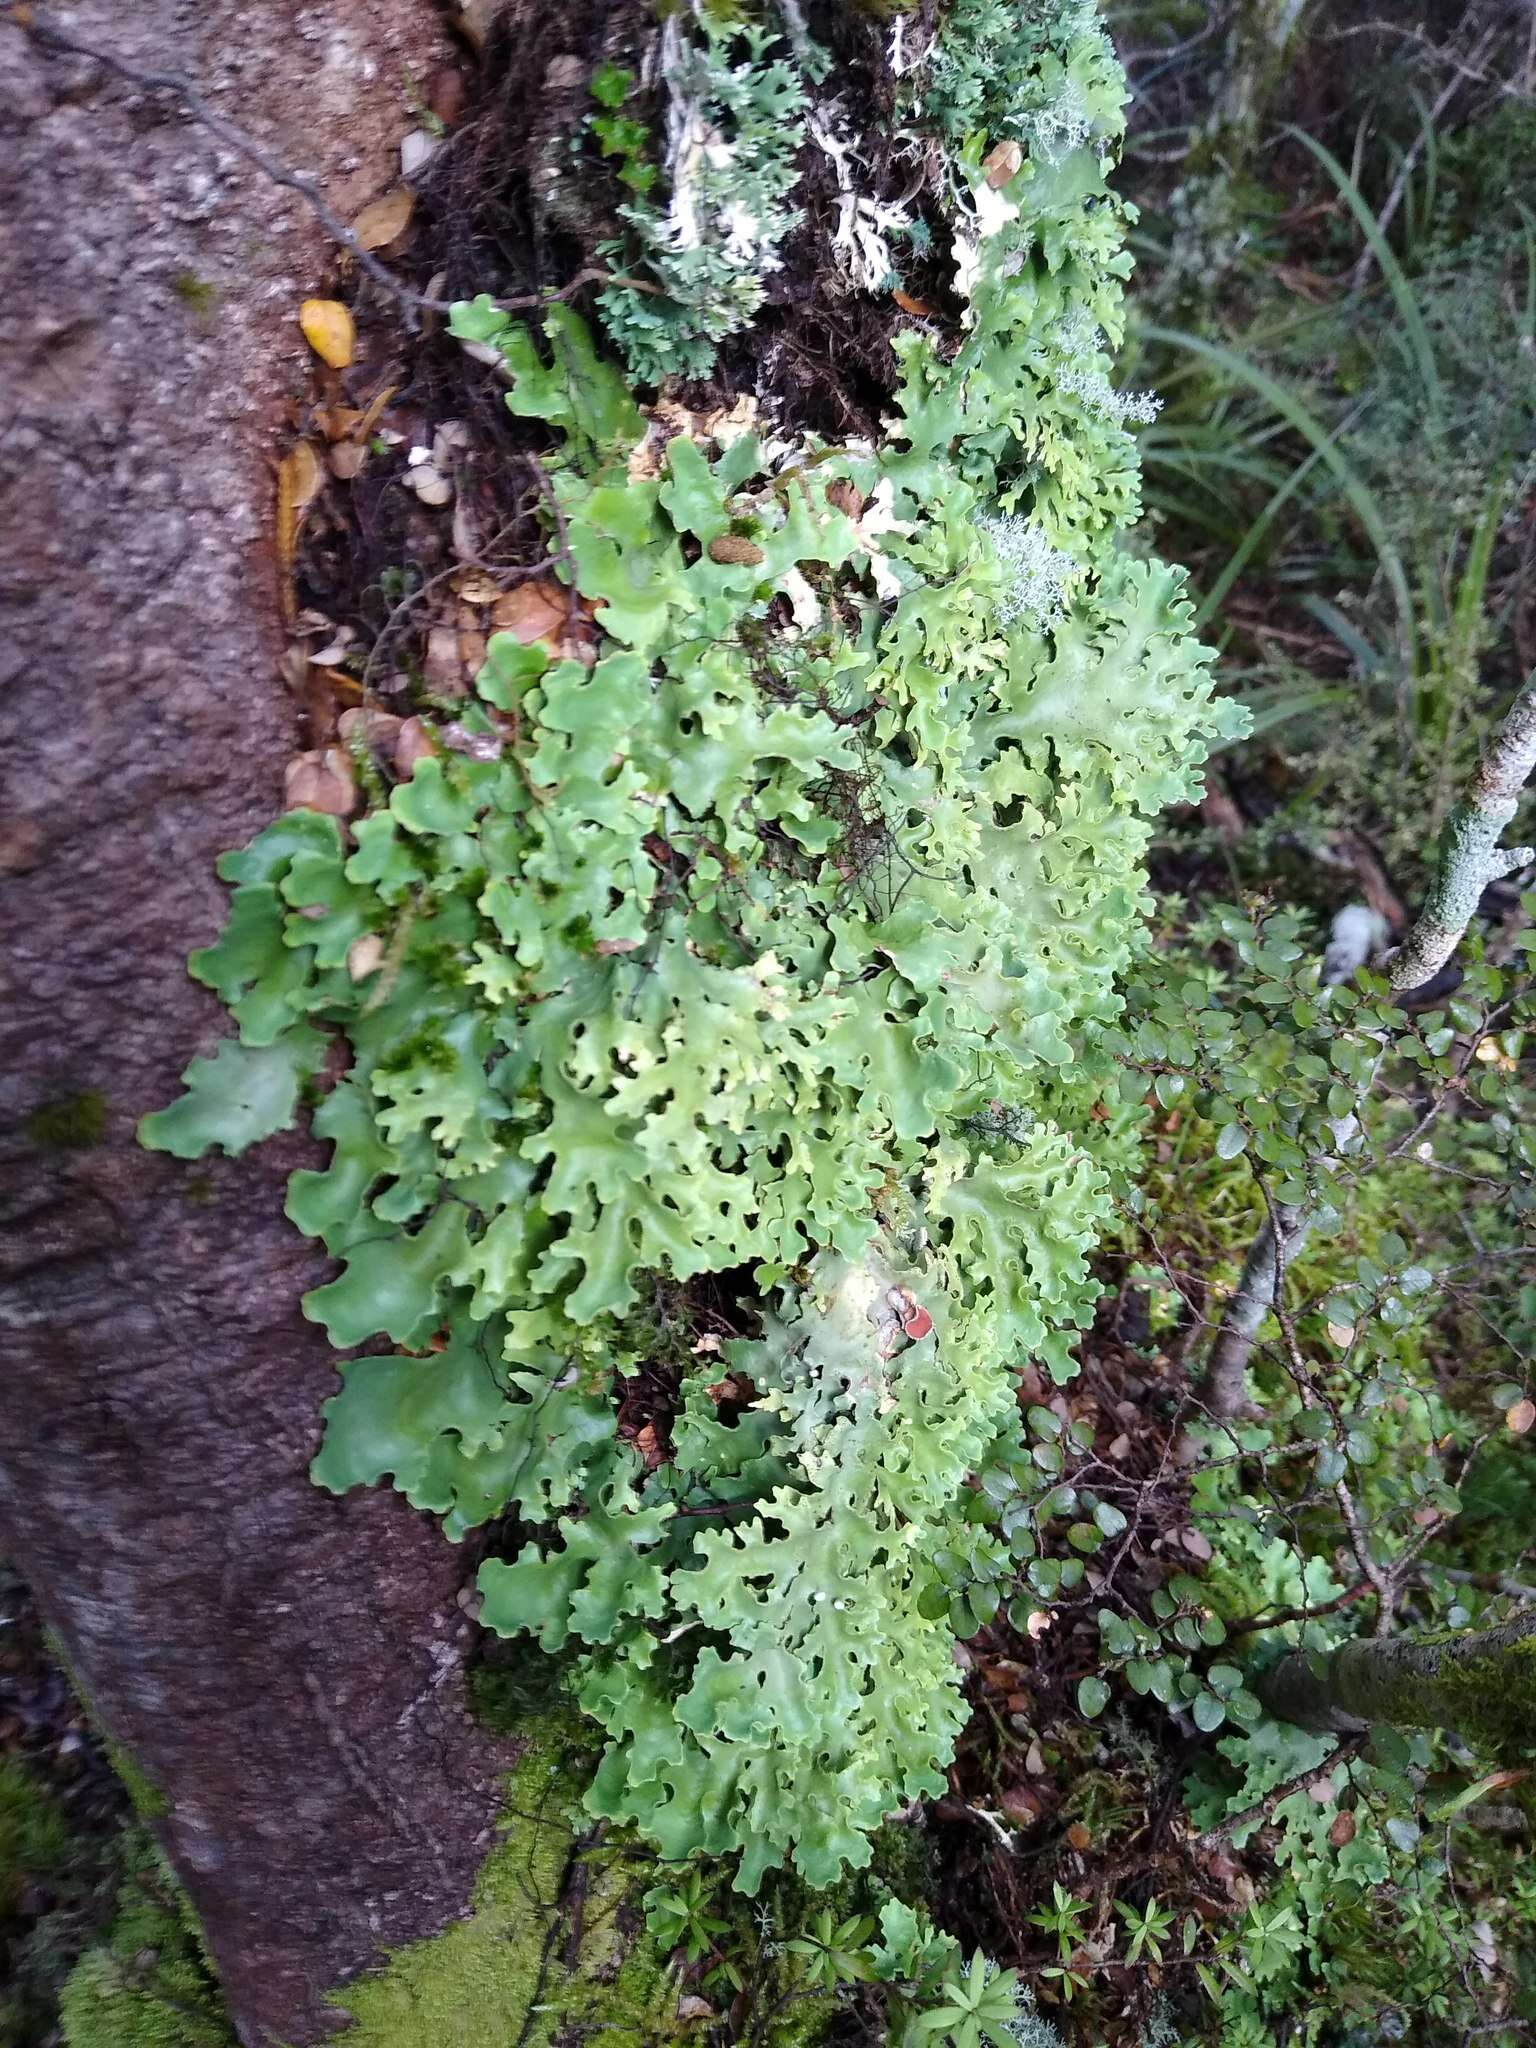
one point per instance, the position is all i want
(755, 939)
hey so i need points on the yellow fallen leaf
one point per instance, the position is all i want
(328, 328)
(379, 224)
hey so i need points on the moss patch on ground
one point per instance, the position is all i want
(149, 1983)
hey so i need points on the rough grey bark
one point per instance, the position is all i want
(284, 1668)
(1482, 1684)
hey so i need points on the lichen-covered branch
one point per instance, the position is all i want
(1255, 1297)
(1471, 857)
(1483, 1685)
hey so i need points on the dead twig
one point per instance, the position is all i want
(1261, 1809)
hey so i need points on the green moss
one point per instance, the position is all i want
(554, 1953)
(195, 293)
(36, 1846)
(73, 1124)
(149, 1802)
(149, 1984)
(1491, 1700)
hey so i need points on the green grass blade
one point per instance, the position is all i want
(1391, 270)
(1356, 492)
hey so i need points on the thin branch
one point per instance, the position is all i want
(1282, 1615)
(1471, 857)
(1263, 1271)
(1261, 1809)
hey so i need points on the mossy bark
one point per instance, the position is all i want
(1481, 1684)
(555, 1953)
(149, 1983)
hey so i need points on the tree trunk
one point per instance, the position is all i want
(1482, 1684)
(283, 1668)
(1260, 42)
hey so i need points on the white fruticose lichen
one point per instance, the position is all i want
(1084, 378)
(1035, 574)
(1056, 129)
(863, 253)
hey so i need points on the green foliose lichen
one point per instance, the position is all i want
(766, 950)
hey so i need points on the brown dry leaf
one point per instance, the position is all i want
(447, 94)
(845, 496)
(365, 956)
(386, 219)
(1197, 1545)
(1020, 1805)
(919, 308)
(1342, 1833)
(1078, 1836)
(471, 640)
(328, 328)
(334, 679)
(475, 18)
(429, 483)
(320, 781)
(1001, 163)
(440, 663)
(649, 1447)
(474, 586)
(337, 421)
(347, 458)
(299, 479)
(293, 665)
(380, 729)
(1519, 1418)
(413, 743)
(535, 610)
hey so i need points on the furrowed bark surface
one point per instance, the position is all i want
(285, 1668)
